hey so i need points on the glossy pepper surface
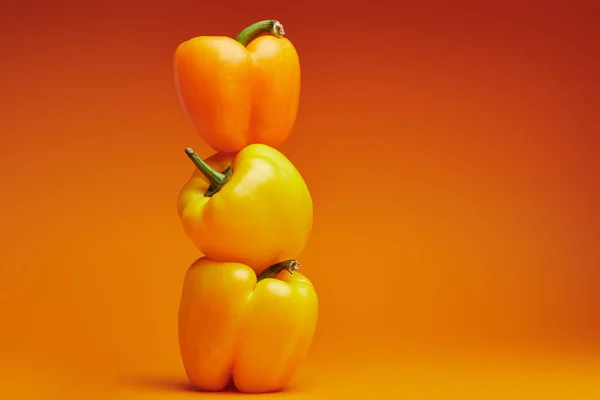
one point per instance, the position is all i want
(258, 211)
(237, 327)
(240, 91)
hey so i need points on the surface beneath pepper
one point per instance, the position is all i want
(502, 377)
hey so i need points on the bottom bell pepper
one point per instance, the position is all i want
(237, 327)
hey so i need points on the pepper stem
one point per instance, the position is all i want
(216, 179)
(290, 265)
(271, 26)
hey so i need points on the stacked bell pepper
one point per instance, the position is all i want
(246, 316)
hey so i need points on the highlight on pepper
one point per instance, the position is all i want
(237, 327)
(252, 207)
(240, 91)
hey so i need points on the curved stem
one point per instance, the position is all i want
(290, 265)
(271, 26)
(216, 179)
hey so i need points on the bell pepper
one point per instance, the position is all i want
(240, 91)
(257, 211)
(236, 327)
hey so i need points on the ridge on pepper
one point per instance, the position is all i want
(252, 207)
(240, 91)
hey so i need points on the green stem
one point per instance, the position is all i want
(271, 26)
(290, 265)
(216, 179)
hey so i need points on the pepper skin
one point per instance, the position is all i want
(257, 212)
(235, 329)
(240, 91)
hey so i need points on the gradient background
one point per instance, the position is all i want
(451, 150)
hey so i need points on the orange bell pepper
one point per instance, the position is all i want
(242, 91)
(258, 211)
(236, 327)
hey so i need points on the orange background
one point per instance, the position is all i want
(451, 150)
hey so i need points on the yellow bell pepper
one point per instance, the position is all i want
(258, 211)
(240, 328)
